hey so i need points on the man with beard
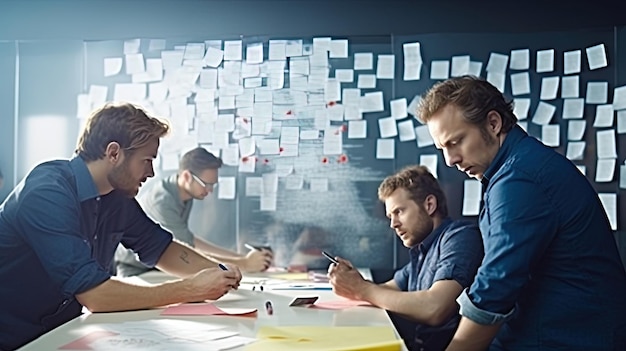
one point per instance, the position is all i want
(444, 256)
(169, 202)
(61, 224)
(552, 278)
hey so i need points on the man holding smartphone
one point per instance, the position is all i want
(444, 258)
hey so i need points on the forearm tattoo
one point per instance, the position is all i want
(184, 256)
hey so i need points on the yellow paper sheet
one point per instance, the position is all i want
(326, 339)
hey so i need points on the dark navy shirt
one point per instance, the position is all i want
(57, 239)
(453, 251)
(551, 268)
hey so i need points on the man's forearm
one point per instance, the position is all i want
(114, 295)
(181, 260)
(471, 336)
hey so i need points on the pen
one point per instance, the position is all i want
(250, 247)
(268, 307)
(222, 267)
(330, 257)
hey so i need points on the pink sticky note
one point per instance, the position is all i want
(206, 309)
(83, 343)
(339, 304)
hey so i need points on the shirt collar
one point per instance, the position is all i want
(425, 245)
(85, 186)
(512, 138)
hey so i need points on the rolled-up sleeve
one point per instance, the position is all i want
(461, 252)
(143, 236)
(401, 277)
(480, 316)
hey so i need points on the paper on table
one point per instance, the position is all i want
(206, 308)
(339, 304)
(322, 338)
(84, 342)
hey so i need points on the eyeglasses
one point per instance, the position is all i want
(202, 182)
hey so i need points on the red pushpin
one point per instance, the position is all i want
(281, 149)
(266, 161)
(342, 159)
(324, 159)
(332, 103)
(244, 159)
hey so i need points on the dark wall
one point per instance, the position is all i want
(118, 19)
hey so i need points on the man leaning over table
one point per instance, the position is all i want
(444, 256)
(61, 224)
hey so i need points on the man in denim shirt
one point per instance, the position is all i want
(60, 226)
(551, 278)
(444, 257)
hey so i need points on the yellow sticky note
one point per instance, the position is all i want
(326, 338)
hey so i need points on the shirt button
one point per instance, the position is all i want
(98, 198)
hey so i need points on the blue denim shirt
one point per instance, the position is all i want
(551, 271)
(453, 251)
(57, 239)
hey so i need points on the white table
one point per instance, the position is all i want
(246, 326)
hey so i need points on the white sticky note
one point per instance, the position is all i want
(605, 169)
(423, 136)
(621, 121)
(460, 66)
(363, 61)
(573, 108)
(604, 116)
(619, 98)
(550, 135)
(497, 63)
(385, 149)
(385, 68)
(387, 127)
(520, 59)
(398, 108)
(412, 108)
(549, 88)
(571, 62)
(366, 81)
(520, 83)
(497, 79)
(472, 192)
(254, 186)
(268, 202)
(575, 150)
(596, 56)
(609, 202)
(406, 131)
(439, 69)
(622, 177)
(338, 48)
(521, 108)
(233, 50)
(268, 146)
(570, 87)
(357, 129)
(135, 63)
(576, 130)
(545, 61)
(112, 66)
(131, 46)
(254, 53)
(412, 71)
(543, 113)
(318, 185)
(430, 161)
(156, 44)
(226, 190)
(213, 57)
(606, 146)
(344, 75)
(276, 50)
(294, 182)
(597, 92)
(475, 68)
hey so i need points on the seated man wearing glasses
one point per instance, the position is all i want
(169, 203)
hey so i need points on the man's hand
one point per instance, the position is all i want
(257, 260)
(213, 283)
(346, 281)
